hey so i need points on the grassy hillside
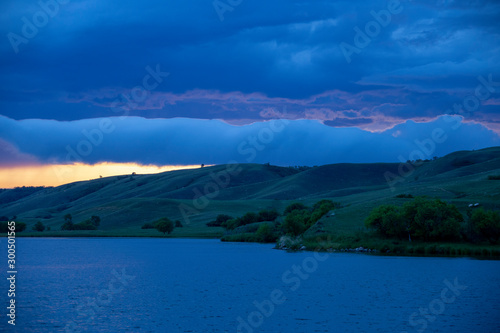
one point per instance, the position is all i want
(124, 203)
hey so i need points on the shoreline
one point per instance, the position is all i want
(445, 250)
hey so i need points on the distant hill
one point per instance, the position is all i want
(126, 202)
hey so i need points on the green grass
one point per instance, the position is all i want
(329, 242)
(125, 203)
(185, 232)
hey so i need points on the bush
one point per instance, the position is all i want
(485, 224)
(178, 224)
(230, 224)
(387, 220)
(432, 220)
(148, 226)
(248, 218)
(265, 234)
(164, 225)
(89, 224)
(219, 220)
(326, 204)
(68, 225)
(244, 220)
(425, 219)
(85, 225)
(38, 227)
(321, 208)
(295, 222)
(268, 215)
(299, 217)
(404, 196)
(4, 226)
(294, 206)
(20, 226)
(494, 177)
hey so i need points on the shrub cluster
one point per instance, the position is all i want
(219, 220)
(89, 224)
(299, 217)
(405, 196)
(268, 215)
(4, 227)
(483, 225)
(422, 219)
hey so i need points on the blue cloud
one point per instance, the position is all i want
(193, 141)
(430, 53)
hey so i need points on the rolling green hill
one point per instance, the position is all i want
(124, 203)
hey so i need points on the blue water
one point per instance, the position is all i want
(184, 285)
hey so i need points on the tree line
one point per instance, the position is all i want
(434, 220)
(268, 224)
(90, 224)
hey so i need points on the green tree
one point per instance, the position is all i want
(85, 225)
(265, 233)
(432, 219)
(326, 204)
(295, 222)
(20, 226)
(164, 225)
(486, 224)
(95, 220)
(230, 224)
(268, 215)
(422, 218)
(68, 223)
(38, 226)
(248, 218)
(219, 220)
(294, 206)
(321, 208)
(387, 220)
(4, 226)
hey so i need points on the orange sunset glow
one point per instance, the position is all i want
(55, 175)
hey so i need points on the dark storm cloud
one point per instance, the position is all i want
(265, 55)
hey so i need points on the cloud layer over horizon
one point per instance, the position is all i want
(263, 58)
(186, 83)
(183, 141)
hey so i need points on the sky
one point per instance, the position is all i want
(92, 88)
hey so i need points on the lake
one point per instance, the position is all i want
(191, 285)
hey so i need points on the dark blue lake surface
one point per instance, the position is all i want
(186, 285)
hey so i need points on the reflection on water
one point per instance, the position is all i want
(181, 285)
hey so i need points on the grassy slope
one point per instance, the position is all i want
(124, 203)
